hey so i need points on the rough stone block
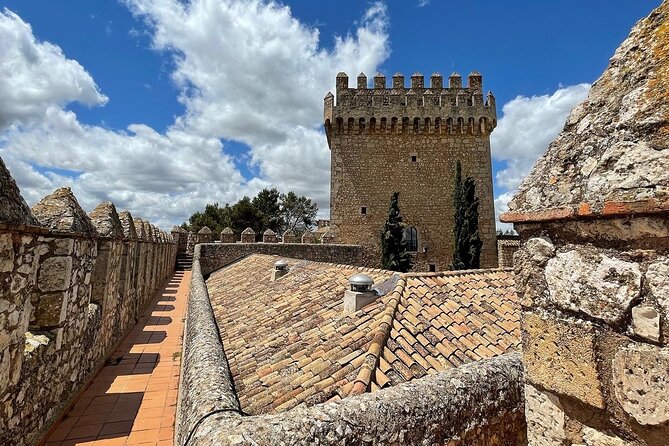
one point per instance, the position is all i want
(592, 437)
(646, 322)
(560, 356)
(545, 418)
(641, 382)
(587, 280)
(55, 274)
(51, 310)
(657, 278)
(6, 253)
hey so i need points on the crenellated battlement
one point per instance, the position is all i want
(396, 108)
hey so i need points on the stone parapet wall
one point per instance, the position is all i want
(593, 269)
(213, 256)
(595, 298)
(206, 384)
(70, 287)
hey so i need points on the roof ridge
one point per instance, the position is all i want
(461, 272)
(381, 335)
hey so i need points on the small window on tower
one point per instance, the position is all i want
(363, 210)
(433, 267)
(414, 158)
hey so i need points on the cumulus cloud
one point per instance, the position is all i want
(35, 76)
(251, 72)
(247, 71)
(527, 127)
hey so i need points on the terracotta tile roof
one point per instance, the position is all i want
(289, 342)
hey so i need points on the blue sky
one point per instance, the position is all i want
(149, 84)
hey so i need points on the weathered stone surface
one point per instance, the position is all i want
(13, 208)
(646, 322)
(560, 356)
(583, 279)
(545, 418)
(248, 236)
(6, 253)
(641, 382)
(128, 225)
(614, 147)
(540, 249)
(308, 237)
(289, 237)
(206, 382)
(61, 212)
(227, 235)
(139, 228)
(106, 220)
(55, 274)
(657, 278)
(593, 437)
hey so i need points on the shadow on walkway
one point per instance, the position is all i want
(133, 398)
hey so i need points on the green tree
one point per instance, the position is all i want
(394, 253)
(298, 212)
(244, 215)
(267, 205)
(214, 217)
(467, 242)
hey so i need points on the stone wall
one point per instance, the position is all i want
(593, 269)
(474, 405)
(71, 285)
(506, 248)
(213, 256)
(408, 140)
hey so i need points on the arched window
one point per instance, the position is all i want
(411, 237)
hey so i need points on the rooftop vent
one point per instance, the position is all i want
(280, 269)
(360, 293)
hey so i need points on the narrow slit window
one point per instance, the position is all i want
(363, 210)
(414, 158)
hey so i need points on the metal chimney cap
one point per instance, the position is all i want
(280, 264)
(360, 282)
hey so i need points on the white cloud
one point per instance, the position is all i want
(36, 75)
(251, 72)
(527, 127)
(247, 71)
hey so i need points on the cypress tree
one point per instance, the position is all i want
(467, 242)
(394, 253)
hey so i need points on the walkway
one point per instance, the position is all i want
(132, 401)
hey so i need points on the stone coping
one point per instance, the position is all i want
(431, 409)
(206, 383)
(41, 230)
(609, 209)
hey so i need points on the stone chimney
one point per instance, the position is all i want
(280, 269)
(592, 272)
(227, 235)
(359, 294)
(248, 236)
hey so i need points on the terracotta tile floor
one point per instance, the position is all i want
(132, 401)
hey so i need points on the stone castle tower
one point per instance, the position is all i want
(408, 140)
